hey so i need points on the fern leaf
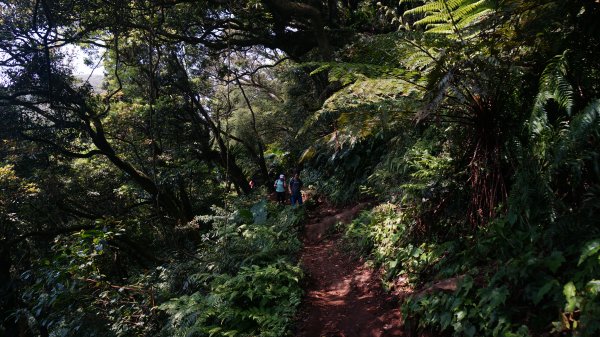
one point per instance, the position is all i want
(474, 18)
(471, 8)
(418, 60)
(453, 4)
(440, 29)
(450, 16)
(554, 81)
(583, 125)
(432, 7)
(555, 86)
(432, 19)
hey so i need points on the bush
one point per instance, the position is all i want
(248, 283)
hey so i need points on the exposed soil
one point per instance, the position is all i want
(344, 297)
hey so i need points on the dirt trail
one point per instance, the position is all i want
(344, 297)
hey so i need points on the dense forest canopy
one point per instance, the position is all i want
(472, 127)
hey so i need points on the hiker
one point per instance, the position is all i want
(280, 189)
(295, 187)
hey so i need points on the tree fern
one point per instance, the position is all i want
(450, 17)
(376, 91)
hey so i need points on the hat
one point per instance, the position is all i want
(281, 176)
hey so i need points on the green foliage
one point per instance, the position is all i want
(71, 289)
(541, 248)
(426, 171)
(484, 300)
(342, 173)
(450, 16)
(421, 175)
(379, 95)
(533, 270)
(476, 126)
(77, 290)
(14, 191)
(381, 234)
(247, 283)
(258, 301)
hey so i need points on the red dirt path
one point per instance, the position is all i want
(344, 297)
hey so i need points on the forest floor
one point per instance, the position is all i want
(344, 296)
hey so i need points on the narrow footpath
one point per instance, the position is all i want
(344, 297)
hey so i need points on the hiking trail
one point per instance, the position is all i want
(344, 296)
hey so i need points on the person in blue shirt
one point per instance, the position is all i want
(295, 187)
(280, 189)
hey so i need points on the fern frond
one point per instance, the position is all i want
(432, 7)
(554, 86)
(419, 60)
(474, 18)
(584, 123)
(576, 137)
(432, 19)
(468, 9)
(453, 4)
(438, 95)
(554, 81)
(440, 29)
(450, 16)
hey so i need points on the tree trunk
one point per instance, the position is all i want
(164, 197)
(260, 156)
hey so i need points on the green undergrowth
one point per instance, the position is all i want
(532, 270)
(243, 281)
(510, 281)
(381, 234)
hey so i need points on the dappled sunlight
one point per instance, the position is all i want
(344, 296)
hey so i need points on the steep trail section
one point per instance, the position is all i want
(344, 297)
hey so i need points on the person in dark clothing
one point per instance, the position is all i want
(295, 187)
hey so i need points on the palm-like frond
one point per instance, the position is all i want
(365, 106)
(450, 17)
(376, 91)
